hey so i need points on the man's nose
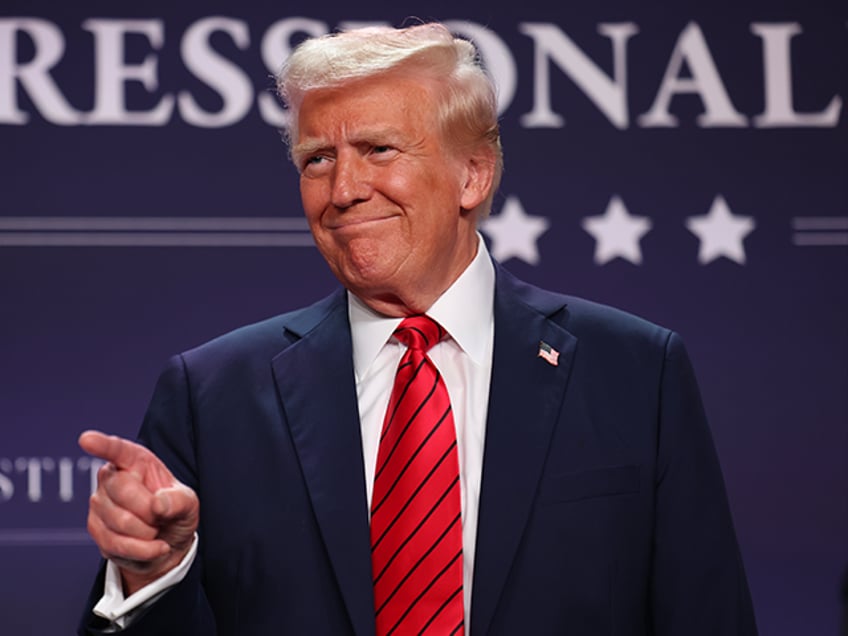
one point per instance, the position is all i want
(351, 181)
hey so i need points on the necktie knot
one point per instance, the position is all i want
(419, 332)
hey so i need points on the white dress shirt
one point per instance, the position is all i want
(466, 311)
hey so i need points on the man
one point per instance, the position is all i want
(579, 489)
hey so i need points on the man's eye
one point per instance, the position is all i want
(383, 151)
(313, 164)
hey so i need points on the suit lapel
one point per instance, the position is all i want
(316, 383)
(315, 380)
(524, 400)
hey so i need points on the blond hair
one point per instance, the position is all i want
(466, 93)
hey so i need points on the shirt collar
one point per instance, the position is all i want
(465, 310)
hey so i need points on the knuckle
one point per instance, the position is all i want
(119, 487)
(122, 522)
(92, 527)
(97, 504)
(105, 471)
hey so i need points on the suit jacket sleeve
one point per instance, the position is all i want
(698, 582)
(167, 430)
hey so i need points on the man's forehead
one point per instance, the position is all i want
(384, 109)
(352, 133)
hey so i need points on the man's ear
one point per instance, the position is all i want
(479, 177)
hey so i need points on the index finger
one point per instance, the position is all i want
(121, 452)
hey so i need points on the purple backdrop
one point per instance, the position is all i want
(687, 163)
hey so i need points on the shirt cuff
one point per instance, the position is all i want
(120, 610)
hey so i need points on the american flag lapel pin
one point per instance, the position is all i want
(548, 353)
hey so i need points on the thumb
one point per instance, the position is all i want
(162, 503)
(175, 503)
(178, 511)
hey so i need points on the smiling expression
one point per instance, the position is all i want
(388, 201)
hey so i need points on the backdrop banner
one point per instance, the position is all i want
(687, 163)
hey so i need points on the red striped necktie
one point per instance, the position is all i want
(416, 522)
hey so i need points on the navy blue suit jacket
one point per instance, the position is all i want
(602, 510)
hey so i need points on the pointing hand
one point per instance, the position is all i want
(140, 516)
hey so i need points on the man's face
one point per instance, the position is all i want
(385, 197)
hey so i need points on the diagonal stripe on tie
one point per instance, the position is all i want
(399, 469)
(394, 548)
(416, 520)
(423, 617)
(391, 423)
(396, 402)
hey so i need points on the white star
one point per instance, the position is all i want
(514, 233)
(617, 233)
(720, 232)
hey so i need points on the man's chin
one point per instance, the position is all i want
(377, 287)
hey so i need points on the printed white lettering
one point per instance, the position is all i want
(7, 486)
(692, 49)
(66, 479)
(32, 49)
(46, 479)
(34, 75)
(777, 65)
(227, 79)
(608, 94)
(112, 73)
